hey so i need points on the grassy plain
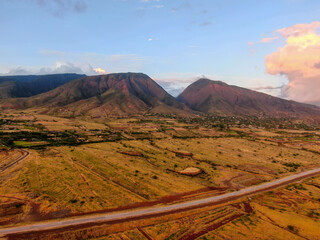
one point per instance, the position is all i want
(83, 165)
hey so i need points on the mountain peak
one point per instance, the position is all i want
(110, 94)
(217, 97)
(209, 81)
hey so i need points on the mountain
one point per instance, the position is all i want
(112, 94)
(26, 86)
(216, 97)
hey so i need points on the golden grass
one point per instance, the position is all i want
(98, 176)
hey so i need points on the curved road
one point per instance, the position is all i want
(154, 211)
(26, 154)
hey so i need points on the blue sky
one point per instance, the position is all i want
(173, 41)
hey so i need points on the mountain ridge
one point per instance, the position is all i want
(110, 94)
(123, 94)
(31, 85)
(217, 97)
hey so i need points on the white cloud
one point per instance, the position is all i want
(89, 63)
(68, 67)
(59, 67)
(18, 71)
(112, 62)
(175, 83)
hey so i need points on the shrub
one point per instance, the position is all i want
(292, 228)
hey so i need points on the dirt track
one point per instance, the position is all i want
(24, 155)
(156, 211)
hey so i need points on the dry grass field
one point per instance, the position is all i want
(133, 162)
(285, 213)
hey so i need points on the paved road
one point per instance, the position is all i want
(149, 212)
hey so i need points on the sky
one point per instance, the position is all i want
(270, 46)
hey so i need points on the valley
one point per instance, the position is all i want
(84, 165)
(159, 120)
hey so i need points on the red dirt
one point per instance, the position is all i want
(168, 199)
(183, 153)
(144, 233)
(210, 228)
(41, 233)
(247, 207)
(228, 182)
(236, 205)
(36, 215)
(163, 200)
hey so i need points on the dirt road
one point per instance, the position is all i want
(24, 155)
(149, 212)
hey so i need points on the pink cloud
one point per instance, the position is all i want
(298, 29)
(100, 70)
(298, 60)
(268, 39)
